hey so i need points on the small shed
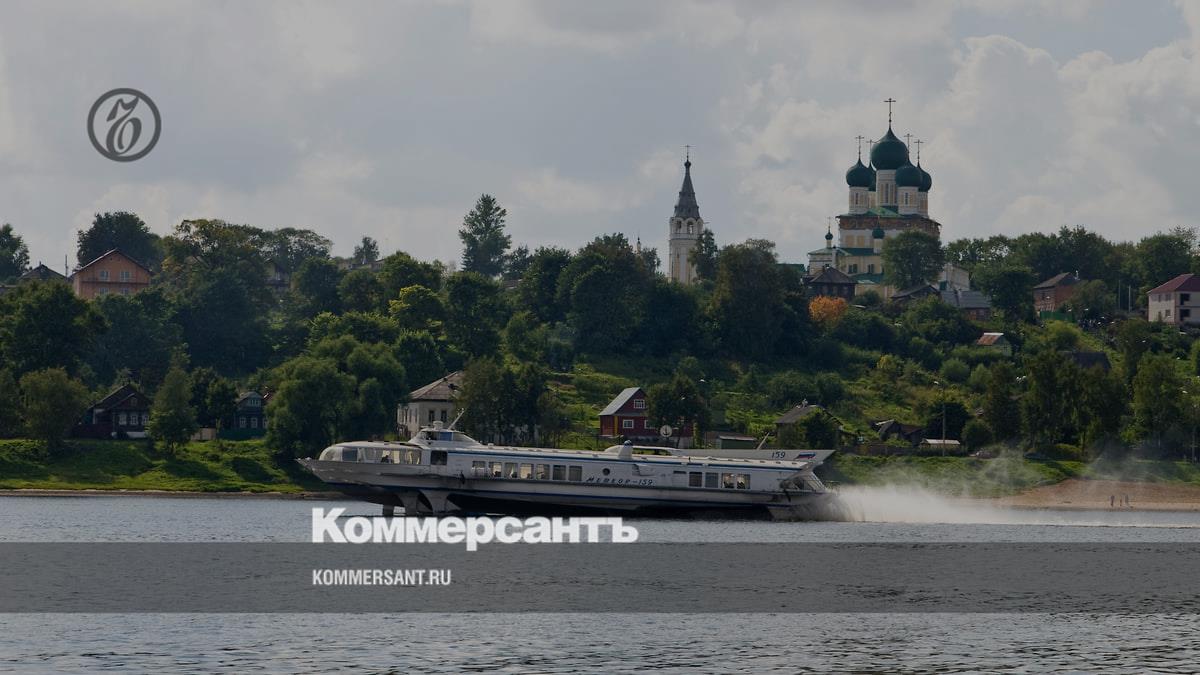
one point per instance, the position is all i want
(995, 342)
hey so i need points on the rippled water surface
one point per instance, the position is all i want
(603, 643)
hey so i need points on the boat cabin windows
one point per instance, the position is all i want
(497, 469)
(560, 472)
(510, 469)
(696, 479)
(437, 457)
(575, 473)
(478, 468)
(710, 480)
(735, 481)
(543, 472)
(526, 471)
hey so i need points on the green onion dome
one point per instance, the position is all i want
(828, 236)
(926, 179)
(878, 233)
(908, 176)
(889, 153)
(860, 175)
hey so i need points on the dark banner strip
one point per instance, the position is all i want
(702, 577)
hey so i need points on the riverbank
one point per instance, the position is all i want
(1091, 494)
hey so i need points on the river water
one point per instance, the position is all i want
(602, 643)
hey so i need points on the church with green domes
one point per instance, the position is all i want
(886, 197)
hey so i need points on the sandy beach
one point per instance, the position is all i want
(1077, 493)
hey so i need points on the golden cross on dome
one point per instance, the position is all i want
(908, 139)
(889, 100)
(918, 142)
(859, 138)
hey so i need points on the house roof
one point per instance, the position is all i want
(41, 273)
(443, 389)
(1063, 279)
(949, 442)
(1183, 282)
(247, 394)
(1090, 359)
(620, 401)
(118, 396)
(966, 299)
(110, 252)
(832, 275)
(868, 278)
(989, 339)
(915, 291)
(798, 413)
(847, 250)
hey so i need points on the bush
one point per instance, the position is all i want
(980, 377)
(976, 434)
(830, 389)
(789, 388)
(955, 371)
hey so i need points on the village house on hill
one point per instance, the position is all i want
(111, 273)
(124, 413)
(432, 403)
(628, 416)
(1052, 293)
(1176, 302)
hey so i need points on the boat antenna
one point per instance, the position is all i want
(763, 442)
(456, 419)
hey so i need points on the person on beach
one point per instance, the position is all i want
(1112, 501)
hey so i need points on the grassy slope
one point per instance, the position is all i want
(243, 466)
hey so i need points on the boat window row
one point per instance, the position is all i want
(732, 481)
(522, 471)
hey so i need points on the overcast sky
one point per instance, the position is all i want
(388, 120)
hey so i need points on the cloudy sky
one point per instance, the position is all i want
(388, 120)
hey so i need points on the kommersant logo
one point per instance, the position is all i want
(124, 125)
(328, 526)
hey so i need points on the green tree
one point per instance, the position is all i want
(172, 417)
(315, 287)
(704, 256)
(938, 323)
(141, 337)
(46, 326)
(122, 230)
(485, 242)
(525, 338)
(1100, 405)
(366, 252)
(288, 248)
(361, 291)
(516, 262)
(400, 270)
(817, 430)
(1001, 410)
(485, 399)
(380, 384)
(310, 407)
(1010, 287)
(418, 308)
(213, 397)
(946, 406)
(1195, 357)
(748, 303)
(216, 274)
(605, 289)
(538, 288)
(1157, 399)
(14, 254)
(52, 403)
(422, 355)
(1091, 300)
(976, 434)
(678, 403)
(912, 258)
(474, 313)
(1046, 407)
(10, 405)
(1162, 257)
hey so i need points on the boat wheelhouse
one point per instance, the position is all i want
(443, 470)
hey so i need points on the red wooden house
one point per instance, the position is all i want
(628, 416)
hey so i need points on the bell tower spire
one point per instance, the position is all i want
(684, 228)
